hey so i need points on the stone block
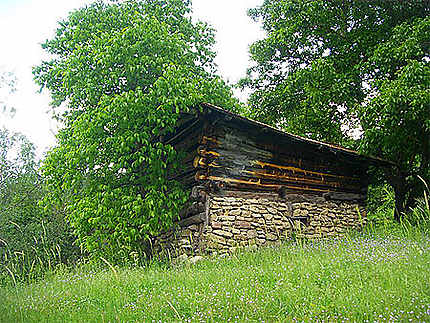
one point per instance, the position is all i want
(271, 237)
(269, 216)
(235, 212)
(242, 237)
(217, 239)
(272, 210)
(235, 231)
(254, 209)
(216, 225)
(260, 242)
(223, 233)
(261, 233)
(242, 224)
(214, 205)
(300, 212)
(255, 224)
(226, 217)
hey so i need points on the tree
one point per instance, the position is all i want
(124, 72)
(317, 74)
(396, 122)
(31, 240)
(18, 174)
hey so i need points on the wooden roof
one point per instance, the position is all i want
(318, 145)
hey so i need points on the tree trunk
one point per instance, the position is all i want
(399, 196)
(398, 181)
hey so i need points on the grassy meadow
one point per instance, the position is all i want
(377, 275)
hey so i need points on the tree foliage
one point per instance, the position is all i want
(18, 174)
(396, 122)
(330, 70)
(31, 240)
(123, 72)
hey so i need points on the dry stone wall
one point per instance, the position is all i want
(246, 219)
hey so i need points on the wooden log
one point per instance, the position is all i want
(301, 180)
(203, 162)
(204, 152)
(286, 152)
(240, 177)
(206, 140)
(340, 196)
(195, 219)
(183, 132)
(198, 193)
(249, 168)
(236, 157)
(191, 209)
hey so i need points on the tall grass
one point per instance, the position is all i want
(374, 275)
(420, 215)
(379, 274)
(33, 249)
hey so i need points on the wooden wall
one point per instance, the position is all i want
(241, 156)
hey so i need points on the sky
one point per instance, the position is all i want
(25, 24)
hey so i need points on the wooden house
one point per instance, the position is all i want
(253, 184)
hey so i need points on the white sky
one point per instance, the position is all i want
(25, 24)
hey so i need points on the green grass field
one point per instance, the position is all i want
(379, 276)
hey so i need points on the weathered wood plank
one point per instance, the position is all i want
(237, 159)
(233, 166)
(344, 196)
(195, 219)
(286, 153)
(240, 158)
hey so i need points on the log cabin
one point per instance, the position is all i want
(252, 184)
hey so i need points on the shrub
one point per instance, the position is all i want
(31, 240)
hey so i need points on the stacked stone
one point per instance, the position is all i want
(178, 241)
(260, 219)
(237, 222)
(329, 218)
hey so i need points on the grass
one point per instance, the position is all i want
(382, 275)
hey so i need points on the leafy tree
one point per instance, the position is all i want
(124, 72)
(325, 71)
(18, 173)
(31, 240)
(396, 122)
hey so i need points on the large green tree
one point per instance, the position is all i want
(121, 74)
(396, 120)
(326, 69)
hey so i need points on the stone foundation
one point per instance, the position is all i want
(236, 220)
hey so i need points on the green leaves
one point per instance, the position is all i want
(126, 72)
(337, 70)
(307, 73)
(395, 121)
